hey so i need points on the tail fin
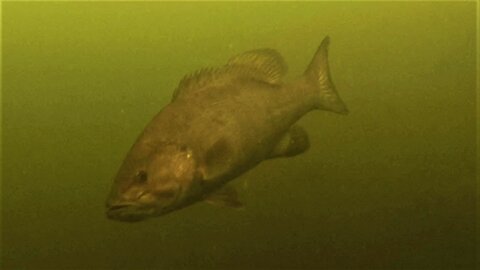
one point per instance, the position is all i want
(318, 74)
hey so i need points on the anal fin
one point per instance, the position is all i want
(293, 143)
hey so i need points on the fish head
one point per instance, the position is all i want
(153, 185)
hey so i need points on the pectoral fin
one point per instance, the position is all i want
(293, 143)
(226, 196)
(216, 160)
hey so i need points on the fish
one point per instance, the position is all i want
(220, 123)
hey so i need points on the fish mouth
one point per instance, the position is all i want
(128, 212)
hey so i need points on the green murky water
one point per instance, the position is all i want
(392, 185)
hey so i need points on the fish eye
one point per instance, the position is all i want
(141, 176)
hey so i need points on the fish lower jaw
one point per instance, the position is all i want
(128, 213)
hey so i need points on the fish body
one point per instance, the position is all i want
(220, 123)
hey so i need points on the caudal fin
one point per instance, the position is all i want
(318, 75)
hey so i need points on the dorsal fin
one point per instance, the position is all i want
(266, 63)
(198, 80)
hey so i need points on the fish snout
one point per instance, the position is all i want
(126, 212)
(112, 202)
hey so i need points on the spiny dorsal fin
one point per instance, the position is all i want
(198, 80)
(209, 77)
(265, 65)
(268, 64)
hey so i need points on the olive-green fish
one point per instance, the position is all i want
(219, 124)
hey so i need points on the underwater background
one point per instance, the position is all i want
(389, 186)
